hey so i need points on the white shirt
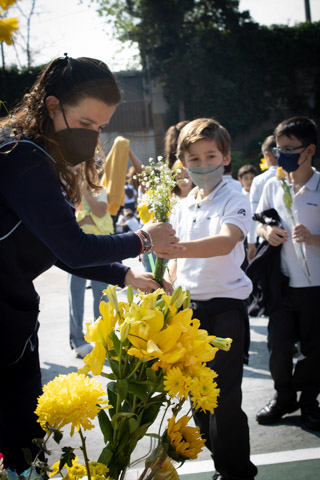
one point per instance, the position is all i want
(255, 194)
(306, 206)
(232, 182)
(219, 276)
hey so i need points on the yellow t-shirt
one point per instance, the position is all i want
(102, 225)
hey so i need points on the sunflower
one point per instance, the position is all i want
(185, 441)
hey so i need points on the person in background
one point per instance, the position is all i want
(256, 190)
(227, 177)
(296, 315)
(93, 217)
(170, 142)
(246, 174)
(48, 147)
(127, 221)
(184, 183)
(213, 221)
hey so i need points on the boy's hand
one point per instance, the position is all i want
(302, 235)
(275, 235)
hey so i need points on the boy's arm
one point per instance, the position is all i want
(217, 245)
(171, 271)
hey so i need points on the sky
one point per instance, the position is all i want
(60, 26)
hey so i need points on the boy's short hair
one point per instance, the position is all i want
(303, 128)
(268, 144)
(247, 169)
(203, 129)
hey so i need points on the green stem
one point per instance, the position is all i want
(85, 455)
(159, 270)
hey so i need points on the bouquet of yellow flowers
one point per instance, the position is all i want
(157, 354)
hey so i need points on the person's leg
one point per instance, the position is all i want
(18, 422)
(77, 288)
(97, 288)
(306, 376)
(227, 429)
(282, 335)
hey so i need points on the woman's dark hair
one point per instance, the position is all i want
(70, 80)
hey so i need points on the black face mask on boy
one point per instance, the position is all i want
(77, 144)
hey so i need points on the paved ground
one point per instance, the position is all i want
(56, 357)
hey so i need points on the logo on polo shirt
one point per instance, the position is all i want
(242, 212)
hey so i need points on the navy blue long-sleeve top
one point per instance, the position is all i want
(38, 229)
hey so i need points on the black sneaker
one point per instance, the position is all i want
(310, 417)
(273, 412)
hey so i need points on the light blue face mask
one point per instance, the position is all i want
(207, 178)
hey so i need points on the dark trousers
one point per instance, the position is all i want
(227, 431)
(20, 387)
(296, 319)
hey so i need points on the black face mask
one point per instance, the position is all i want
(77, 144)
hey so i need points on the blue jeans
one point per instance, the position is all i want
(77, 289)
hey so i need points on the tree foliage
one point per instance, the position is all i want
(218, 62)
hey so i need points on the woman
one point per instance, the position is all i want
(47, 149)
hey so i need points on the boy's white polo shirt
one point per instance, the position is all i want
(306, 204)
(192, 219)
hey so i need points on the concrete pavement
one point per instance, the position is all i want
(56, 357)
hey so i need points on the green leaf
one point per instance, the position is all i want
(106, 426)
(150, 413)
(112, 396)
(106, 455)
(27, 455)
(122, 388)
(116, 343)
(151, 374)
(66, 457)
(138, 390)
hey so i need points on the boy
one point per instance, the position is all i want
(296, 317)
(212, 223)
(257, 187)
(246, 175)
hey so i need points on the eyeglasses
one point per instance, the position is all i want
(288, 151)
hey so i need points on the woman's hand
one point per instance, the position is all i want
(144, 281)
(165, 243)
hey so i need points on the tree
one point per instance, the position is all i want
(215, 61)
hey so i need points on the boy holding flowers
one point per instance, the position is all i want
(212, 222)
(295, 194)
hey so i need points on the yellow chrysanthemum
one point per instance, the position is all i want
(176, 383)
(185, 440)
(263, 164)
(71, 398)
(204, 393)
(7, 27)
(98, 470)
